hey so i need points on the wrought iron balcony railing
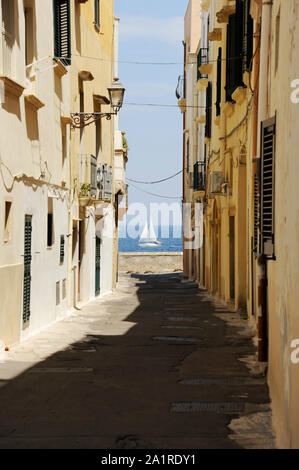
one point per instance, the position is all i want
(202, 59)
(199, 179)
(180, 89)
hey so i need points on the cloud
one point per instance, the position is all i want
(168, 30)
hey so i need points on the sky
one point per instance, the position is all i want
(152, 31)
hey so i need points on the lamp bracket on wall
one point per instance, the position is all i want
(80, 120)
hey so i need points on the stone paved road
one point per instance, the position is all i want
(157, 364)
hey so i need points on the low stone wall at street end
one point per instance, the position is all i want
(150, 262)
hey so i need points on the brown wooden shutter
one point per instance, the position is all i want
(267, 186)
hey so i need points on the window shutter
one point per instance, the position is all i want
(256, 215)
(219, 68)
(62, 243)
(97, 13)
(234, 51)
(62, 31)
(208, 127)
(247, 37)
(27, 269)
(93, 175)
(267, 186)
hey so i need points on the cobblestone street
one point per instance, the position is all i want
(156, 364)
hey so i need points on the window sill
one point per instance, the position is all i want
(228, 109)
(201, 119)
(59, 68)
(239, 95)
(223, 14)
(202, 84)
(12, 87)
(34, 101)
(215, 35)
(206, 69)
(217, 121)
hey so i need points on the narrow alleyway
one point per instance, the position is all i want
(157, 364)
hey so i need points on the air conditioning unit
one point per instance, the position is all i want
(215, 182)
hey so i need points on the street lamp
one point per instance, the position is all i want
(116, 94)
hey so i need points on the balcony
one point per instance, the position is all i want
(88, 178)
(199, 179)
(180, 89)
(180, 93)
(203, 65)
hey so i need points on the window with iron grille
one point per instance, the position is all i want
(208, 128)
(97, 14)
(219, 68)
(62, 31)
(202, 59)
(267, 186)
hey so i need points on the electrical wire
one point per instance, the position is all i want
(145, 63)
(164, 105)
(153, 194)
(155, 182)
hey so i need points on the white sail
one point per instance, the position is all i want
(145, 233)
(148, 236)
(152, 234)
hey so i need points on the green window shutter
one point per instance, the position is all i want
(62, 31)
(97, 13)
(62, 244)
(27, 269)
(219, 68)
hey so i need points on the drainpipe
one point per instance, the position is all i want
(184, 156)
(263, 113)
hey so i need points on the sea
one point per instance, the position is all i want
(170, 243)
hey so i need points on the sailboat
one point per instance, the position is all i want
(148, 236)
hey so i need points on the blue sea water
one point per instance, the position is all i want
(169, 244)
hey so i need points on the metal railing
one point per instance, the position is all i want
(88, 175)
(202, 59)
(199, 179)
(180, 89)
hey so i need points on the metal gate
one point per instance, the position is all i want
(27, 269)
(98, 265)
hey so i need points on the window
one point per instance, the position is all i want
(208, 128)
(219, 68)
(50, 230)
(247, 37)
(234, 51)
(57, 293)
(97, 14)
(277, 34)
(267, 186)
(62, 31)
(62, 243)
(7, 221)
(29, 36)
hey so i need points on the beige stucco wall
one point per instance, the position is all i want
(11, 282)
